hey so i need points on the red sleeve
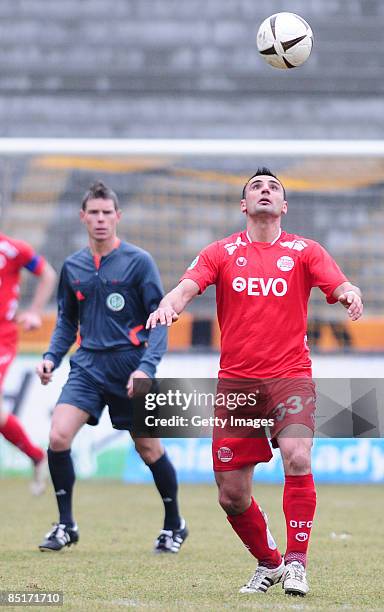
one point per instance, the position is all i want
(204, 268)
(324, 272)
(28, 258)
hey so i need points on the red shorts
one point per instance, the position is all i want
(234, 453)
(251, 411)
(7, 355)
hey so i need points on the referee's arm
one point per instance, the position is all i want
(65, 332)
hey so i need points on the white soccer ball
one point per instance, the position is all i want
(285, 40)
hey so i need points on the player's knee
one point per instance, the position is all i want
(59, 439)
(233, 501)
(298, 461)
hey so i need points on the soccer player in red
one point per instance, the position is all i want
(263, 278)
(15, 255)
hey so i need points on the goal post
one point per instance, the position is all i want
(191, 147)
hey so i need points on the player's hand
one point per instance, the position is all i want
(29, 320)
(352, 301)
(142, 383)
(45, 370)
(165, 316)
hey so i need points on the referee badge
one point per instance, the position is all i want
(115, 302)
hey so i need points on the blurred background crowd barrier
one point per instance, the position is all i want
(174, 204)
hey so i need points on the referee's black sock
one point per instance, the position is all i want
(63, 479)
(164, 475)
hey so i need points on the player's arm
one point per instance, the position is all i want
(31, 317)
(350, 297)
(326, 274)
(65, 332)
(173, 304)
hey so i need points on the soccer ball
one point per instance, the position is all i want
(285, 40)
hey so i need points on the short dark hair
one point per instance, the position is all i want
(99, 190)
(262, 172)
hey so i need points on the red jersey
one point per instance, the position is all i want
(14, 255)
(262, 293)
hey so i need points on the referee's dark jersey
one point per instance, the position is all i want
(108, 301)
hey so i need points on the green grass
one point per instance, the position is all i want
(113, 567)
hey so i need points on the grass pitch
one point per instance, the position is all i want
(113, 565)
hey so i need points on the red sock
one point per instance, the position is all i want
(13, 431)
(252, 529)
(299, 505)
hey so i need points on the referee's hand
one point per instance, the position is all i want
(45, 370)
(142, 383)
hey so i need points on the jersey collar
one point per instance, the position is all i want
(97, 257)
(271, 243)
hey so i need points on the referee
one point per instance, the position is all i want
(106, 293)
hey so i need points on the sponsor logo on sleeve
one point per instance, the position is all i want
(194, 263)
